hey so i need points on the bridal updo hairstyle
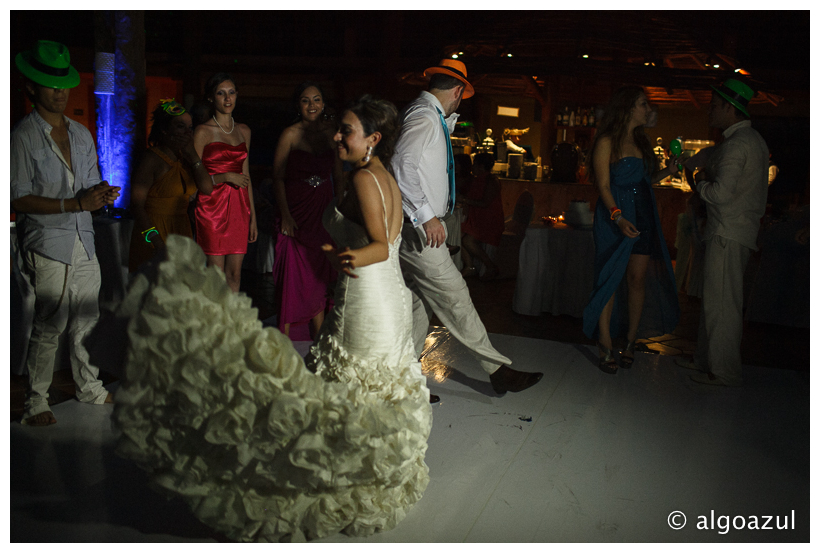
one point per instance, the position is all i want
(378, 116)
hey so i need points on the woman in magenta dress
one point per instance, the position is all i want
(225, 218)
(306, 170)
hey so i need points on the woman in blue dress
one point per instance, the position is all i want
(628, 236)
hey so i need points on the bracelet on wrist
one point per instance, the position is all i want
(613, 209)
(197, 165)
(615, 214)
(149, 233)
(618, 218)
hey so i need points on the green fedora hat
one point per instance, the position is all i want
(736, 93)
(48, 64)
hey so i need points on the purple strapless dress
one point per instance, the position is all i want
(301, 271)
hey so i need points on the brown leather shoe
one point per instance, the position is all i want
(505, 379)
(434, 398)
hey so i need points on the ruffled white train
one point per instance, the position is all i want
(224, 413)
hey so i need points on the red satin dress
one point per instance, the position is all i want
(223, 216)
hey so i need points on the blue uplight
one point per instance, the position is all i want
(115, 88)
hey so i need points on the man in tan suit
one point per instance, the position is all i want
(734, 186)
(425, 172)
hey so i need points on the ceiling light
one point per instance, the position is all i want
(585, 56)
(455, 56)
(509, 55)
(507, 111)
(461, 53)
(716, 66)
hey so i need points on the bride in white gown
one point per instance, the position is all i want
(226, 415)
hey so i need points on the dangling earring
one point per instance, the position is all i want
(366, 158)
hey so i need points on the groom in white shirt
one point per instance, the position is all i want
(424, 169)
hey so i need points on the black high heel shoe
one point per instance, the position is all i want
(628, 355)
(606, 361)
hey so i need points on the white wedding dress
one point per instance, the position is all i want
(225, 413)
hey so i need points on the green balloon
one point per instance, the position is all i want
(676, 149)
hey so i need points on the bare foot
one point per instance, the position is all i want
(46, 418)
(109, 398)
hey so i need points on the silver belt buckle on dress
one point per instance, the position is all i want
(314, 180)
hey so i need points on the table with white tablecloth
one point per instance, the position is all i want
(555, 270)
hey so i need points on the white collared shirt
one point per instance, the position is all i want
(420, 161)
(38, 168)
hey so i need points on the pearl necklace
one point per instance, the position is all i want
(220, 126)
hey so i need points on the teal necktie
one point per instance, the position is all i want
(451, 166)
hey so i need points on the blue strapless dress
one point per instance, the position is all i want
(628, 180)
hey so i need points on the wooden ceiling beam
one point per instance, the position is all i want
(689, 94)
(532, 86)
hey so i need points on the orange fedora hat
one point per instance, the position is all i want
(456, 69)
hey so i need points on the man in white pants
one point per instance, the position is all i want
(55, 183)
(734, 187)
(424, 169)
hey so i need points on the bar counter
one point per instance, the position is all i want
(553, 198)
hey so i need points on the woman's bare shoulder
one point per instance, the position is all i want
(605, 140)
(204, 131)
(291, 135)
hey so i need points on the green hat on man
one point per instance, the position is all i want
(48, 64)
(736, 93)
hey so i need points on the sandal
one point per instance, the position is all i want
(606, 361)
(628, 355)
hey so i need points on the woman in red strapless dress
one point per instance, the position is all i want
(225, 218)
(306, 171)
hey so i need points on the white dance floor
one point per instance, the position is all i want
(581, 457)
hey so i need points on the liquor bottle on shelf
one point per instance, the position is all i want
(566, 116)
(592, 116)
(585, 119)
(572, 118)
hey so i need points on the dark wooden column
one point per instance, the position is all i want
(544, 98)
(191, 47)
